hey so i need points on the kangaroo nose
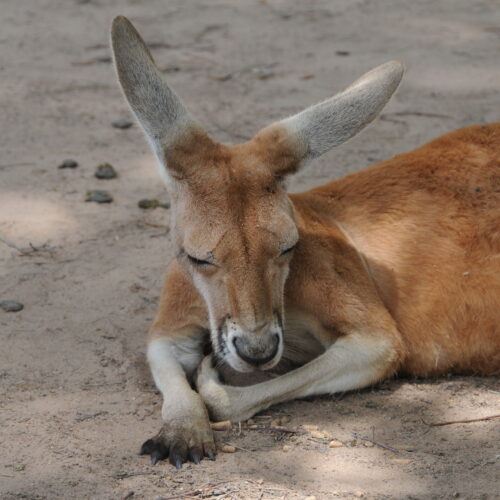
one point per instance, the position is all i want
(256, 355)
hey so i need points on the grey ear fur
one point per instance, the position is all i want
(157, 108)
(332, 122)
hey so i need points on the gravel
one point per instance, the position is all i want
(99, 196)
(11, 306)
(68, 164)
(105, 171)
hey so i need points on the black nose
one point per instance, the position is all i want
(255, 356)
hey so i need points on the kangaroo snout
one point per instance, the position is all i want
(257, 353)
(249, 349)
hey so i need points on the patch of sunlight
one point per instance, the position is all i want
(29, 218)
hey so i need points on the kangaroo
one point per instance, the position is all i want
(392, 270)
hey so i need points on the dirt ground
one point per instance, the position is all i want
(76, 398)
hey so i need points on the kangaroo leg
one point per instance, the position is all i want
(175, 349)
(186, 433)
(352, 362)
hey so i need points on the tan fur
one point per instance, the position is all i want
(427, 224)
(395, 269)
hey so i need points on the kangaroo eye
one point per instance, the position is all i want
(198, 262)
(289, 250)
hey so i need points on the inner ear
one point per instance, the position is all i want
(277, 149)
(191, 151)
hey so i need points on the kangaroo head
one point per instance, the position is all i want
(233, 224)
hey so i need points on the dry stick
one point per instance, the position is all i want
(420, 113)
(377, 443)
(27, 251)
(123, 475)
(438, 424)
(19, 164)
(276, 429)
(81, 418)
(13, 245)
(196, 492)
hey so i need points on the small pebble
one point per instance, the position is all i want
(286, 448)
(319, 435)
(335, 444)
(105, 171)
(225, 425)
(11, 306)
(359, 494)
(309, 427)
(228, 449)
(401, 461)
(122, 124)
(147, 204)
(68, 164)
(98, 196)
(368, 444)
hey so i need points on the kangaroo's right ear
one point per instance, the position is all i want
(165, 120)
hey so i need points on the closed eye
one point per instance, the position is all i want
(198, 262)
(289, 250)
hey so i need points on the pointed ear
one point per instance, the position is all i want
(163, 117)
(319, 128)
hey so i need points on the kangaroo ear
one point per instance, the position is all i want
(319, 128)
(160, 112)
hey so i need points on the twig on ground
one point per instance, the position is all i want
(81, 418)
(419, 113)
(123, 475)
(199, 491)
(19, 164)
(151, 224)
(12, 245)
(376, 443)
(277, 429)
(30, 250)
(450, 422)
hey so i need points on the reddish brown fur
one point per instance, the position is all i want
(409, 247)
(427, 223)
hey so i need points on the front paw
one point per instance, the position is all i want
(221, 400)
(182, 437)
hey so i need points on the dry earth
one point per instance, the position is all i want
(76, 398)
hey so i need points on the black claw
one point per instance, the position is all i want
(156, 449)
(178, 454)
(155, 457)
(210, 455)
(196, 454)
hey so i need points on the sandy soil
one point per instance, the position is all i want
(76, 398)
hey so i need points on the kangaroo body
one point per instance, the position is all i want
(395, 269)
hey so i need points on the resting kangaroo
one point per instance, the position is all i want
(392, 270)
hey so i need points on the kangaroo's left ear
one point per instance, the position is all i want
(319, 128)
